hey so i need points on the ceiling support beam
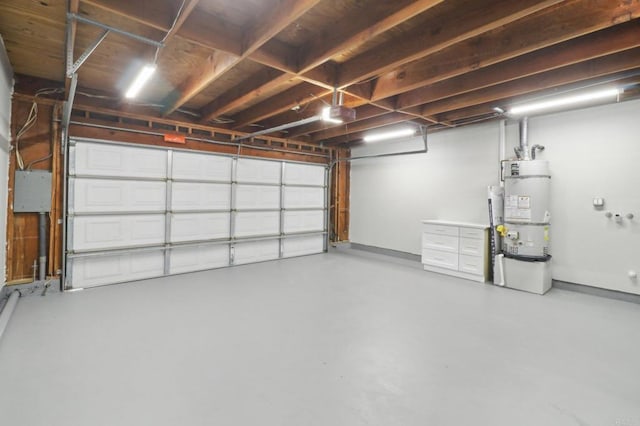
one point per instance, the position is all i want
(362, 113)
(353, 31)
(319, 53)
(279, 17)
(285, 101)
(568, 21)
(214, 66)
(263, 82)
(602, 43)
(472, 19)
(623, 61)
(347, 128)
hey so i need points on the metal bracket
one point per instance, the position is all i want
(72, 69)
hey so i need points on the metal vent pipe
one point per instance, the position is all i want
(523, 149)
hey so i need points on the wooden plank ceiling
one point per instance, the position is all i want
(250, 65)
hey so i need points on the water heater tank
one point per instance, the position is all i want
(526, 209)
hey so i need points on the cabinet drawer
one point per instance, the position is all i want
(440, 258)
(440, 229)
(471, 264)
(475, 233)
(471, 247)
(440, 242)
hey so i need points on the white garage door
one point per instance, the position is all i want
(141, 212)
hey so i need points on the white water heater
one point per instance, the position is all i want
(526, 210)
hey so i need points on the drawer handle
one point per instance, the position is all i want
(439, 259)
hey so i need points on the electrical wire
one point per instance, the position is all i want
(173, 25)
(31, 120)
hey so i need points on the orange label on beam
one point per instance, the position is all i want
(174, 138)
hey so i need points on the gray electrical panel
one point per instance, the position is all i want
(32, 193)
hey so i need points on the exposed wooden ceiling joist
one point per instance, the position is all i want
(566, 21)
(252, 61)
(606, 42)
(452, 23)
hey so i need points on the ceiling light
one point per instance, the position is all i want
(374, 137)
(143, 76)
(564, 101)
(326, 116)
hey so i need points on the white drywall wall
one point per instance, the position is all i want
(391, 195)
(6, 90)
(593, 152)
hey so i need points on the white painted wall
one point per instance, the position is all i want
(389, 196)
(593, 152)
(6, 90)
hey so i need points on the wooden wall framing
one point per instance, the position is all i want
(44, 140)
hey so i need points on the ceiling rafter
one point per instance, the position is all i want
(278, 18)
(476, 22)
(436, 34)
(606, 42)
(569, 21)
(347, 128)
(421, 60)
(318, 53)
(353, 31)
(586, 70)
(362, 113)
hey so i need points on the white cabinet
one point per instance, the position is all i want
(458, 249)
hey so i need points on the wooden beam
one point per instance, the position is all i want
(213, 67)
(461, 116)
(348, 128)
(605, 42)
(562, 23)
(362, 113)
(189, 6)
(278, 18)
(471, 18)
(353, 31)
(264, 81)
(629, 59)
(151, 13)
(297, 95)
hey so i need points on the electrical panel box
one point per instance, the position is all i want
(32, 191)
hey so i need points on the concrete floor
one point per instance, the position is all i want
(336, 339)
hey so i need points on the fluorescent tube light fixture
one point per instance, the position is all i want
(565, 101)
(375, 137)
(141, 79)
(326, 116)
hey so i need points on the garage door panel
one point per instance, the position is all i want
(257, 197)
(303, 221)
(199, 226)
(130, 218)
(300, 246)
(299, 197)
(198, 258)
(250, 224)
(195, 166)
(113, 268)
(256, 251)
(97, 159)
(302, 174)
(106, 196)
(258, 171)
(200, 196)
(114, 231)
